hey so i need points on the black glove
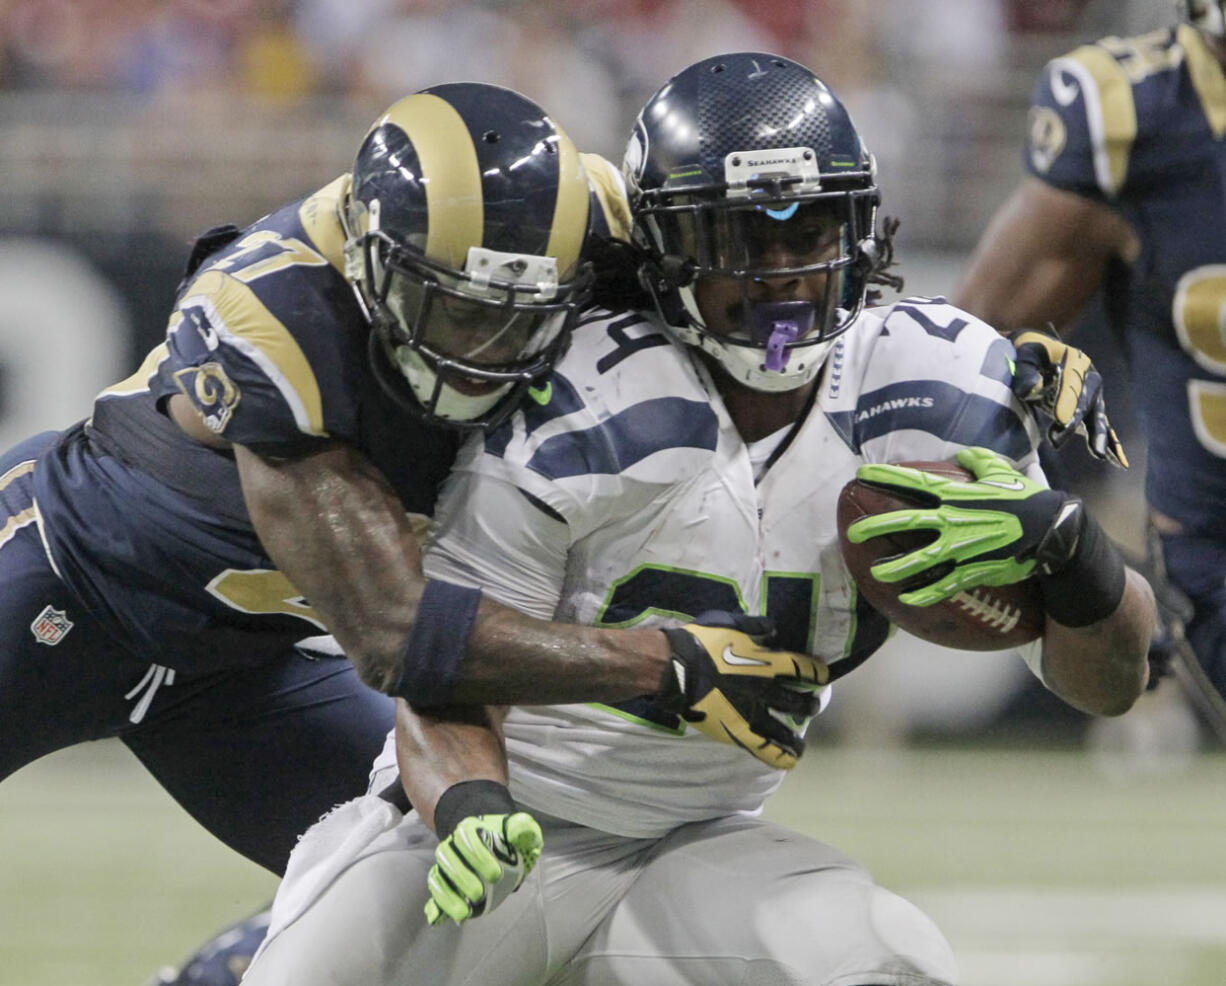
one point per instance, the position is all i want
(728, 684)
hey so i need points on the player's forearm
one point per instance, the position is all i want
(514, 659)
(337, 531)
(1103, 668)
(446, 747)
(1041, 258)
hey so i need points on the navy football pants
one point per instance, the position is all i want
(255, 754)
(1197, 566)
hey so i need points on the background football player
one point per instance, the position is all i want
(687, 458)
(1124, 196)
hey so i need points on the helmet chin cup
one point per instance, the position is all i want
(777, 324)
(434, 392)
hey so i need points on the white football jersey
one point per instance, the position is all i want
(622, 495)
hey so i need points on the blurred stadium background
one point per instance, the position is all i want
(1051, 848)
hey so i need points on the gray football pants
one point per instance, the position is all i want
(730, 902)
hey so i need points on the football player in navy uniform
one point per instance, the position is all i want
(251, 484)
(688, 457)
(1125, 193)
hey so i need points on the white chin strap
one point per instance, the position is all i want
(452, 404)
(746, 364)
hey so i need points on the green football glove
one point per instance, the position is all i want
(728, 684)
(483, 859)
(1060, 380)
(994, 530)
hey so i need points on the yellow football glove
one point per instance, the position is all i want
(1060, 380)
(728, 684)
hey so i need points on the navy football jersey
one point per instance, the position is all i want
(1138, 123)
(269, 344)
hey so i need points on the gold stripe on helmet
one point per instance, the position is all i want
(570, 211)
(450, 174)
(610, 191)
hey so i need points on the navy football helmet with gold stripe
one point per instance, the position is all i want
(465, 222)
(745, 171)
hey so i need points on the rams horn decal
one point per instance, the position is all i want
(212, 392)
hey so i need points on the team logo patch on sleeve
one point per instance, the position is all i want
(1047, 138)
(212, 391)
(51, 626)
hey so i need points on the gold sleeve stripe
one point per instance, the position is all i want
(1110, 112)
(445, 152)
(610, 188)
(19, 470)
(15, 523)
(1207, 77)
(1207, 401)
(241, 320)
(138, 382)
(570, 211)
(22, 518)
(320, 218)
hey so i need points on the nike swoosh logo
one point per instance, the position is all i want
(1065, 90)
(739, 660)
(541, 395)
(1016, 486)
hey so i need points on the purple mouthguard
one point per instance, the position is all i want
(778, 323)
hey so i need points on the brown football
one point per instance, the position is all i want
(984, 618)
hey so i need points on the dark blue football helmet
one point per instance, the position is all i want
(465, 220)
(747, 167)
(222, 960)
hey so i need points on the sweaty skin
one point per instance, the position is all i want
(361, 569)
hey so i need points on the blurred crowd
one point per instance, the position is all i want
(589, 61)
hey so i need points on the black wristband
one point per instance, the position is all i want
(1089, 588)
(468, 798)
(430, 664)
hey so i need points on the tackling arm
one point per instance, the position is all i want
(332, 524)
(336, 529)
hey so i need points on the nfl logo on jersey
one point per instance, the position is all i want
(50, 626)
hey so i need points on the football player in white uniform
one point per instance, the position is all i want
(680, 461)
